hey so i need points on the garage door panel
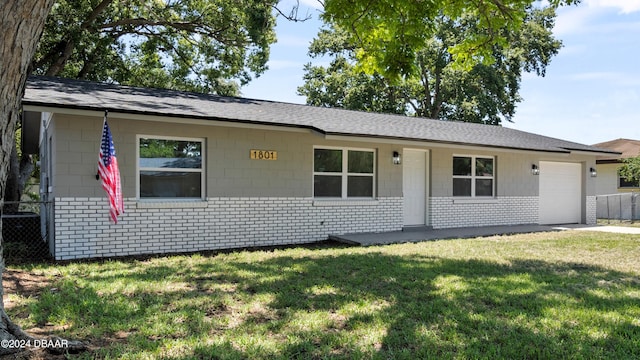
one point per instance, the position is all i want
(560, 192)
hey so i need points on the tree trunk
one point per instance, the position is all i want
(19, 172)
(21, 24)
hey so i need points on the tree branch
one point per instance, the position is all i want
(64, 49)
(293, 14)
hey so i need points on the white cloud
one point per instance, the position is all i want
(573, 19)
(623, 6)
(598, 16)
(315, 4)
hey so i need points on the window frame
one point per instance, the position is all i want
(628, 184)
(344, 174)
(473, 177)
(201, 170)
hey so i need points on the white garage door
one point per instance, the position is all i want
(560, 193)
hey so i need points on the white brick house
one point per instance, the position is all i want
(204, 172)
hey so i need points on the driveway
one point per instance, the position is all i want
(601, 228)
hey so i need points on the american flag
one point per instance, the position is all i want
(109, 173)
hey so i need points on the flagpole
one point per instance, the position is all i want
(104, 120)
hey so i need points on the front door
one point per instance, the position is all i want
(414, 186)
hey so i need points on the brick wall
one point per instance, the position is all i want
(591, 218)
(83, 230)
(450, 212)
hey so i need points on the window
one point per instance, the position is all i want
(170, 168)
(473, 176)
(628, 184)
(343, 173)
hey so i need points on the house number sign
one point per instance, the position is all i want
(263, 155)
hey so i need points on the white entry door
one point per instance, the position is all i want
(414, 186)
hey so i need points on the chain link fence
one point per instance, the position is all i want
(624, 206)
(25, 232)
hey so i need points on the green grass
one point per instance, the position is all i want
(565, 295)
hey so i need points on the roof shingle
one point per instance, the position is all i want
(76, 94)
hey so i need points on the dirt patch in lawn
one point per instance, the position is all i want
(24, 283)
(27, 284)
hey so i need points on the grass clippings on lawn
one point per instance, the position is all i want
(547, 295)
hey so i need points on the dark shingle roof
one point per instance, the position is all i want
(75, 94)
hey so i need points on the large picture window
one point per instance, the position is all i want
(170, 168)
(343, 173)
(473, 176)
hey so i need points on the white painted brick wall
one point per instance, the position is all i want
(591, 210)
(452, 212)
(83, 230)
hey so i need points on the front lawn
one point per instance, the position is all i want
(564, 295)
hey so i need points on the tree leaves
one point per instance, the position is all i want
(390, 33)
(630, 170)
(196, 45)
(437, 86)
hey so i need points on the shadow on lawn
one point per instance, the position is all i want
(420, 307)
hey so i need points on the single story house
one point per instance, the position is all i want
(609, 181)
(204, 172)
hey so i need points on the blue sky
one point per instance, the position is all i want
(590, 94)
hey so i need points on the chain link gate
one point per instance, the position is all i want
(25, 231)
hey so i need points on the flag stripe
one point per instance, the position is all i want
(110, 173)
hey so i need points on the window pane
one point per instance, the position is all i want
(484, 167)
(484, 187)
(157, 153)
(628, 184)
(360, 162)
(166, 184)
(327, 186)
(325, 160)
(462, 166)
(360, 186)
(461, 187)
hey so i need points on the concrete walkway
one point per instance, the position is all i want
(602, 228)
(395, 237)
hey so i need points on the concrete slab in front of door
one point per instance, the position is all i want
(396, 237)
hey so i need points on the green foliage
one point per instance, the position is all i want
(485, 93)
(391, 33)
(561, 295)
(196, 45)
(630, 170)
(156, 148)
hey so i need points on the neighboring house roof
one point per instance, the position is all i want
(83, 95)
(626, 147)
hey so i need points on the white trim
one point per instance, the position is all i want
(478, 200)
(344, 174)
(474, 177)
(168, 204)
(345, 202)
(202, 170)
